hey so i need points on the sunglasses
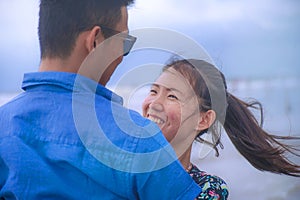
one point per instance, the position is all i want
(128, 40)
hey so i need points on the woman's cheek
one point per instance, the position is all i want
(174, 118)
(145, 106)
(172, 125)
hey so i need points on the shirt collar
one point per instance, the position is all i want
(68, 81)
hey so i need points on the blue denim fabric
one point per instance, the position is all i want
(67, 137)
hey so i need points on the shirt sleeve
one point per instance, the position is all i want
(157, 171)
(171, 182)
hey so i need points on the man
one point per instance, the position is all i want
(67, 136)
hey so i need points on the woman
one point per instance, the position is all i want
(189, 99)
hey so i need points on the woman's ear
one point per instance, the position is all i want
(91, 38)
(206, 120)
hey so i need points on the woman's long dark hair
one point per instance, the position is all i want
(264, 151)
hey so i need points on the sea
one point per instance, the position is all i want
(280, 98)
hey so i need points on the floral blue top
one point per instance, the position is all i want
(213, 187)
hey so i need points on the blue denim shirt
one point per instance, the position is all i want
(67, 137)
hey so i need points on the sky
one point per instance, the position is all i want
(247, 39)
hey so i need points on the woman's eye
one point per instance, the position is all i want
(171, 96)
(153, 91)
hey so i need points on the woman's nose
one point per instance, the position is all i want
(157, 104)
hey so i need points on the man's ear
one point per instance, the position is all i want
(206, 120)
(93, 35)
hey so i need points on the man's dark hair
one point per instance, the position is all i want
(61, 21)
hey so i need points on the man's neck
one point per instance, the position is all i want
(57, 64)
(68, 64)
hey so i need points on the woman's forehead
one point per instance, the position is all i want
(173, 80)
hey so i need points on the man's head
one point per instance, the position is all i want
(70, 31)
(61, 22)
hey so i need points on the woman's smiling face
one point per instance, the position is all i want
(173, 105)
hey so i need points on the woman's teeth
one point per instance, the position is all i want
(156, 120)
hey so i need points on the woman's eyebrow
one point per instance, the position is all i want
(167, 88)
